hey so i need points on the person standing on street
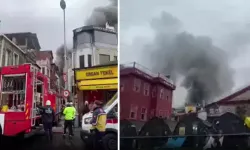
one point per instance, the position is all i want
(48, 117)
(69, 115)
(98, 124)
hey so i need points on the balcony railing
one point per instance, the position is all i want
(146, 71)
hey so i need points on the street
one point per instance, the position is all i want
(39, 142)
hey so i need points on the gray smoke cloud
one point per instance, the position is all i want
(60, 58)
(175, 52)
(101, 15)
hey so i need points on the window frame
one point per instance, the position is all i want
(161, 93)
(15, 61)
(146, 88)
(137, 83)
(144, 118)
(133, 109)
(89, 60)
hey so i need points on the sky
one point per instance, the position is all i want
(45, 18)
(226, 22)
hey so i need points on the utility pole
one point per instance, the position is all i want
(63, 6)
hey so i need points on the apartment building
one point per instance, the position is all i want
(12, 54)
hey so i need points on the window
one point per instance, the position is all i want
(106, 38)
(133, 112)
(137, 85)
(146, 89)
(162, 94)
(82, 61)
(3, 59)
(43, 70)
(154, 92)
(143, 114)
(48, 73)
(89, 61)
(9, 60)
(104, 58)
(16, 59)
(121, 87)
(115, 57)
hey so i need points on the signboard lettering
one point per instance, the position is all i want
(97, 73)
(98, 87)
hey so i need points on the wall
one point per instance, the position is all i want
(130, 97)
(7, 44)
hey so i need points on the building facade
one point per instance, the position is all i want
(94, 46)
(143, 94)
(91, 46)
(10, 53)
(238, 101)
(28, 42)
(45, 60)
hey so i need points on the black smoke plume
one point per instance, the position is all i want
(101, 15)
(204, 66)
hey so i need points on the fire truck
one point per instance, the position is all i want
(22, 88)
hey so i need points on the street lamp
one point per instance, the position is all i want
(63, 6)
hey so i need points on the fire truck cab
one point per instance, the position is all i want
(22, 87)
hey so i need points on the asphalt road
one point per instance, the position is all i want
(39, 142)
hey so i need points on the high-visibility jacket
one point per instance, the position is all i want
(247, 121)
(69, 113)
(5, 108)
(99, 119)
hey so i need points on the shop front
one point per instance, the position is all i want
(96, 83)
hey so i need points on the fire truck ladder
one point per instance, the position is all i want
(34, 109)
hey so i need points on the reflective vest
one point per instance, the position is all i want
(99, 120)
(5, 108)
(69, 113)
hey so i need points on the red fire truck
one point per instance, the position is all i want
(22, 87)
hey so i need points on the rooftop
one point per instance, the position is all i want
(92, 28)
(33, 42)
(149, 74)
(42, 55)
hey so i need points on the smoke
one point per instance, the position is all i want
(101, 15)
(204, 67)
(60, 60)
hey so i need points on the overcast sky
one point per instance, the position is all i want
(45, 18)
(227, 22)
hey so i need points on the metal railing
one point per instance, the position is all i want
(146, 71)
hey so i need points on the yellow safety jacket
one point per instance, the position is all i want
(99, 119)
(69, 113)
(247, 121)
(5, 108)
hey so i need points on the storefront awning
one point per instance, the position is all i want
(98, 84)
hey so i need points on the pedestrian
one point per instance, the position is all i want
(48, 117)
(85, 108)
(69, 115)
(98, 124)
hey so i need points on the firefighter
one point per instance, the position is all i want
(98, 124)
(5, 108)
(69, 115)
(48, 117)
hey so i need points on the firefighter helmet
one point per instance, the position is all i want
(48, 102)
